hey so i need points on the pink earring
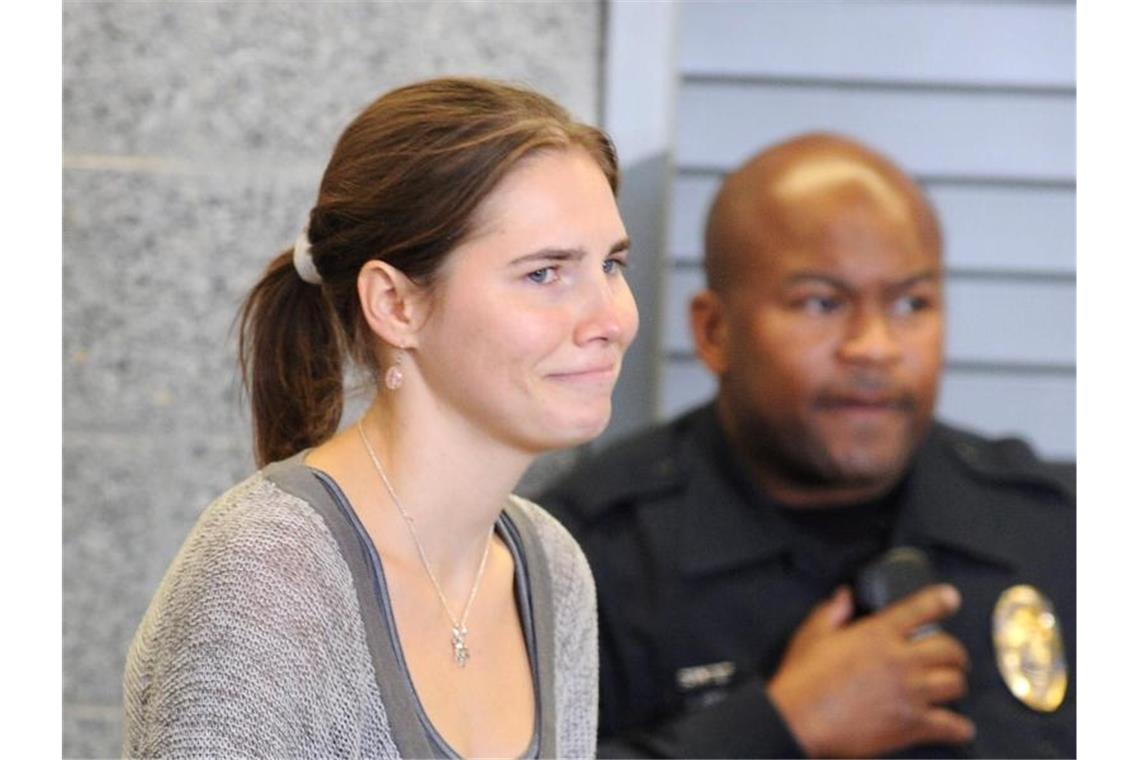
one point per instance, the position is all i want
(394, 377)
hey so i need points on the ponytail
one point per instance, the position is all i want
(291, 354)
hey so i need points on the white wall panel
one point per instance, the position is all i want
(1038, 407)
(1018, 44)
(958, 134)
(1010, 229)
(1011, 321)
(683, 283)
(687, 383)
(688, 208)
(1006, 229)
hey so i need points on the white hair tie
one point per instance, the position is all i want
(303, 259)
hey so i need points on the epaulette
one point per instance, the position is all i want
(1007, 461)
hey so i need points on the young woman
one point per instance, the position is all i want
(378, 591)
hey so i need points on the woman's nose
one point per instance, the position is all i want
(609, 314)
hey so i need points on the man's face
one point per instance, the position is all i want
(831, 345)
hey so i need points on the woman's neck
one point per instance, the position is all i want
(448, 475)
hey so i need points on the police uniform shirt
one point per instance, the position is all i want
(702, 580)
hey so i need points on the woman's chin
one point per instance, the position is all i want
(582, 426)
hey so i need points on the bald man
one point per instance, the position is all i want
(726, 544)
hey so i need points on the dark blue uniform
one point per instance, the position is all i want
(702, 580)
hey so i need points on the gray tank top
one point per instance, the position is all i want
(507, 531)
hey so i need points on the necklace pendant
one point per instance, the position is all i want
(459, 645)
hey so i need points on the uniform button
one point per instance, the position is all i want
(665, 467)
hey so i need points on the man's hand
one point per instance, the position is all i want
(872, 686)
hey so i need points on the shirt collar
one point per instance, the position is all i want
(725, 524)
(944, 506)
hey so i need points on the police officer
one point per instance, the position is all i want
(725, 543)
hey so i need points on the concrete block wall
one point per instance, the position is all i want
(194, 138)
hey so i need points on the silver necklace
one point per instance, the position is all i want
(458, 627)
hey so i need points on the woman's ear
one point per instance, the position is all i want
(393, 305)
(709, 326)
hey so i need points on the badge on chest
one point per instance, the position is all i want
(1028, 648)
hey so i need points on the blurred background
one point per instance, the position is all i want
(195, 134)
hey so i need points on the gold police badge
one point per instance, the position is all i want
(1027, 644)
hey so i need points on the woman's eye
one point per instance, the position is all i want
(543, 276)
(613, 266)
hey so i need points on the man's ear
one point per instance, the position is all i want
(393, 305)
(710, 330)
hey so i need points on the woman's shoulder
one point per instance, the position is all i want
(568, 566)
(258, 570)
(575, 630)
(553, 534)
(257, 516)
(254, 536)
(258, 613)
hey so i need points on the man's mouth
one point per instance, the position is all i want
(865, 402)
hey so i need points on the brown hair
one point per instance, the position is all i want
(403, 183)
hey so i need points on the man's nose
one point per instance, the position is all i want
(870, 339)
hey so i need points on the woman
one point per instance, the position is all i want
(377, 591)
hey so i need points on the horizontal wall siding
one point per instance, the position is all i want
(977, 101)
(987, 228)
(984, 135)
(971, 44)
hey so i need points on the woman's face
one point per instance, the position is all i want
(531, 314)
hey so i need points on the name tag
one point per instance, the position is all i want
(704, 676)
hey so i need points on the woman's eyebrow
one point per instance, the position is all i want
(566, 254)
(551, 254)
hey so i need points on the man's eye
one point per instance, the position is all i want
(911, 304)
(543, 276)
(821, 304)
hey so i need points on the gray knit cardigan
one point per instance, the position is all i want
(262, 639)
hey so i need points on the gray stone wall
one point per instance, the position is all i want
(194, 138)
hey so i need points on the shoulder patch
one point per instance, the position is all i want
(1009, 461)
